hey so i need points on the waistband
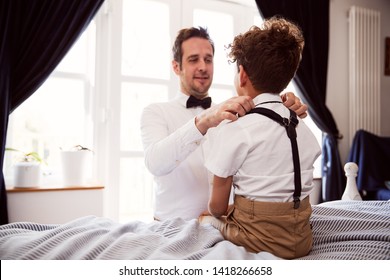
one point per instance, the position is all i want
(265, 207)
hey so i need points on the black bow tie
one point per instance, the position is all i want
(194, 102)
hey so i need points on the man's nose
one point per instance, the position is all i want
(202, 65)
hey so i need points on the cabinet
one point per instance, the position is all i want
(54, 205)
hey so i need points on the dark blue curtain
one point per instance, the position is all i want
(34, 36)
(311, 78)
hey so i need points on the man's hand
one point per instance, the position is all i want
(238, 106)
(231, 109)
(294, 103)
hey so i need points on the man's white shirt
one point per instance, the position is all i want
(173, 154)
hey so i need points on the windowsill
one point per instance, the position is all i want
(52, 188)
(52, 182)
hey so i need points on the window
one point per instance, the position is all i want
(58, 114)
(133, 69)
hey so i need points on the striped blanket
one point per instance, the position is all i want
(351, 230)
(341, 230)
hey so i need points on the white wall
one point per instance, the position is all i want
(337, 87)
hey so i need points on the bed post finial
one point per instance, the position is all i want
(351, 192)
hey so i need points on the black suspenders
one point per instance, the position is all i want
(290, 125)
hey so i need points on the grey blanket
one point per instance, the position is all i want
(351, 230)
(341, 230)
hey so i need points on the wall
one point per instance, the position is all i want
(54, 205)
(337, 87)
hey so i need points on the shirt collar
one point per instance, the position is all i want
(265, 97)
(181, 98)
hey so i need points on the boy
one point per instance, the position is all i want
(269, 164)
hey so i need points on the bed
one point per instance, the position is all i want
(342, 230)
(348, 230)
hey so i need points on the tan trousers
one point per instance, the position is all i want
(274, 227)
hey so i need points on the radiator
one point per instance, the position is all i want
(364, 70)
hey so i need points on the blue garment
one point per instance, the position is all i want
(372, 154)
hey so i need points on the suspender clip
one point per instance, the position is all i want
(294, 121)
(286, 122)
(297, 202)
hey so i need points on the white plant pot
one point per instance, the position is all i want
(27, 174)
(76, 167)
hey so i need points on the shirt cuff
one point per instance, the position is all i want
(192, 135)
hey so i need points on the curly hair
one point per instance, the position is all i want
(270, 55)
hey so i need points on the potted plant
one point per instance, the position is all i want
(76, 165)
(27, 169)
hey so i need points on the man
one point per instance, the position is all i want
(172, 133)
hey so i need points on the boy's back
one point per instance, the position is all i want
(257, 151)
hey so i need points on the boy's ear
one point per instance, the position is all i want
(243, 76)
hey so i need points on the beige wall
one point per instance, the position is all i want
(337, 87)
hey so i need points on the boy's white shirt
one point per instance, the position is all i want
(257, 152)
